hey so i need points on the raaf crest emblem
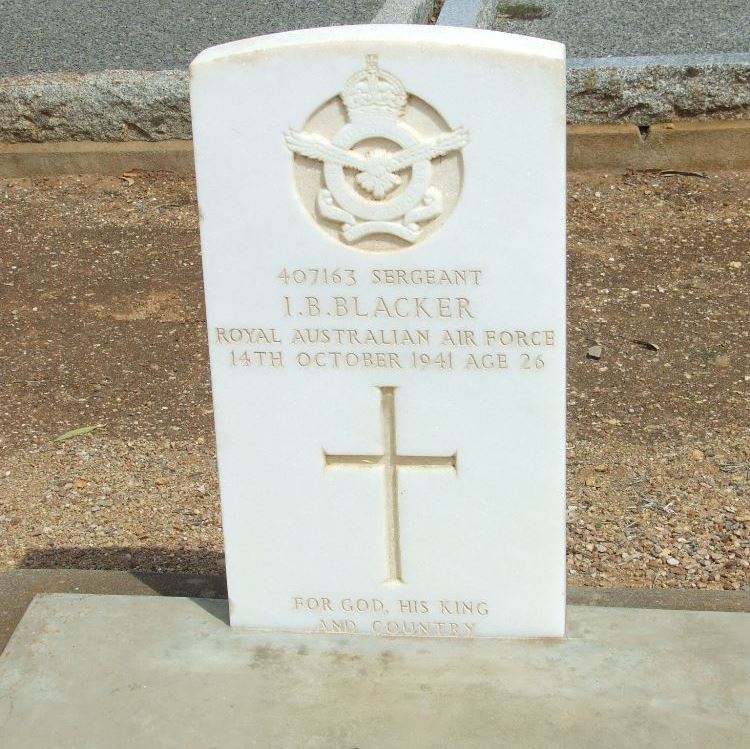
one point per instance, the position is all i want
(384, 189)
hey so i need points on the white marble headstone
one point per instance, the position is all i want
(382, 221)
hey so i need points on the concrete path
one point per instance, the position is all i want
(47, 36)
(137, 672)
(619, 28)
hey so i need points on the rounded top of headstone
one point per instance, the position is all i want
(372, 91)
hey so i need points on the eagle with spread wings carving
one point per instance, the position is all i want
(377, 169)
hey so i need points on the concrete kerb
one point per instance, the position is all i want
(128, 105)
(121, 119)
(688, 146)
(111, 106)
(647, 90)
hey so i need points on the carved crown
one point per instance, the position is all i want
(372, 91)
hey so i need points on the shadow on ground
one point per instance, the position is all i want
(158, 575)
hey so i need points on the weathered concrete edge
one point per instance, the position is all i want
(129, 105)
(111, 106)
(478, 14)
(652, 89)
(18, 588)
(693, 146)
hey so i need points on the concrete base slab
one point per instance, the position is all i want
(134, 671)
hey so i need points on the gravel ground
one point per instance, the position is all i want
(614, 28)
(103, 324)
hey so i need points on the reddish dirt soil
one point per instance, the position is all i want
(103, 324)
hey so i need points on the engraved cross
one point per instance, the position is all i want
(390, 461)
